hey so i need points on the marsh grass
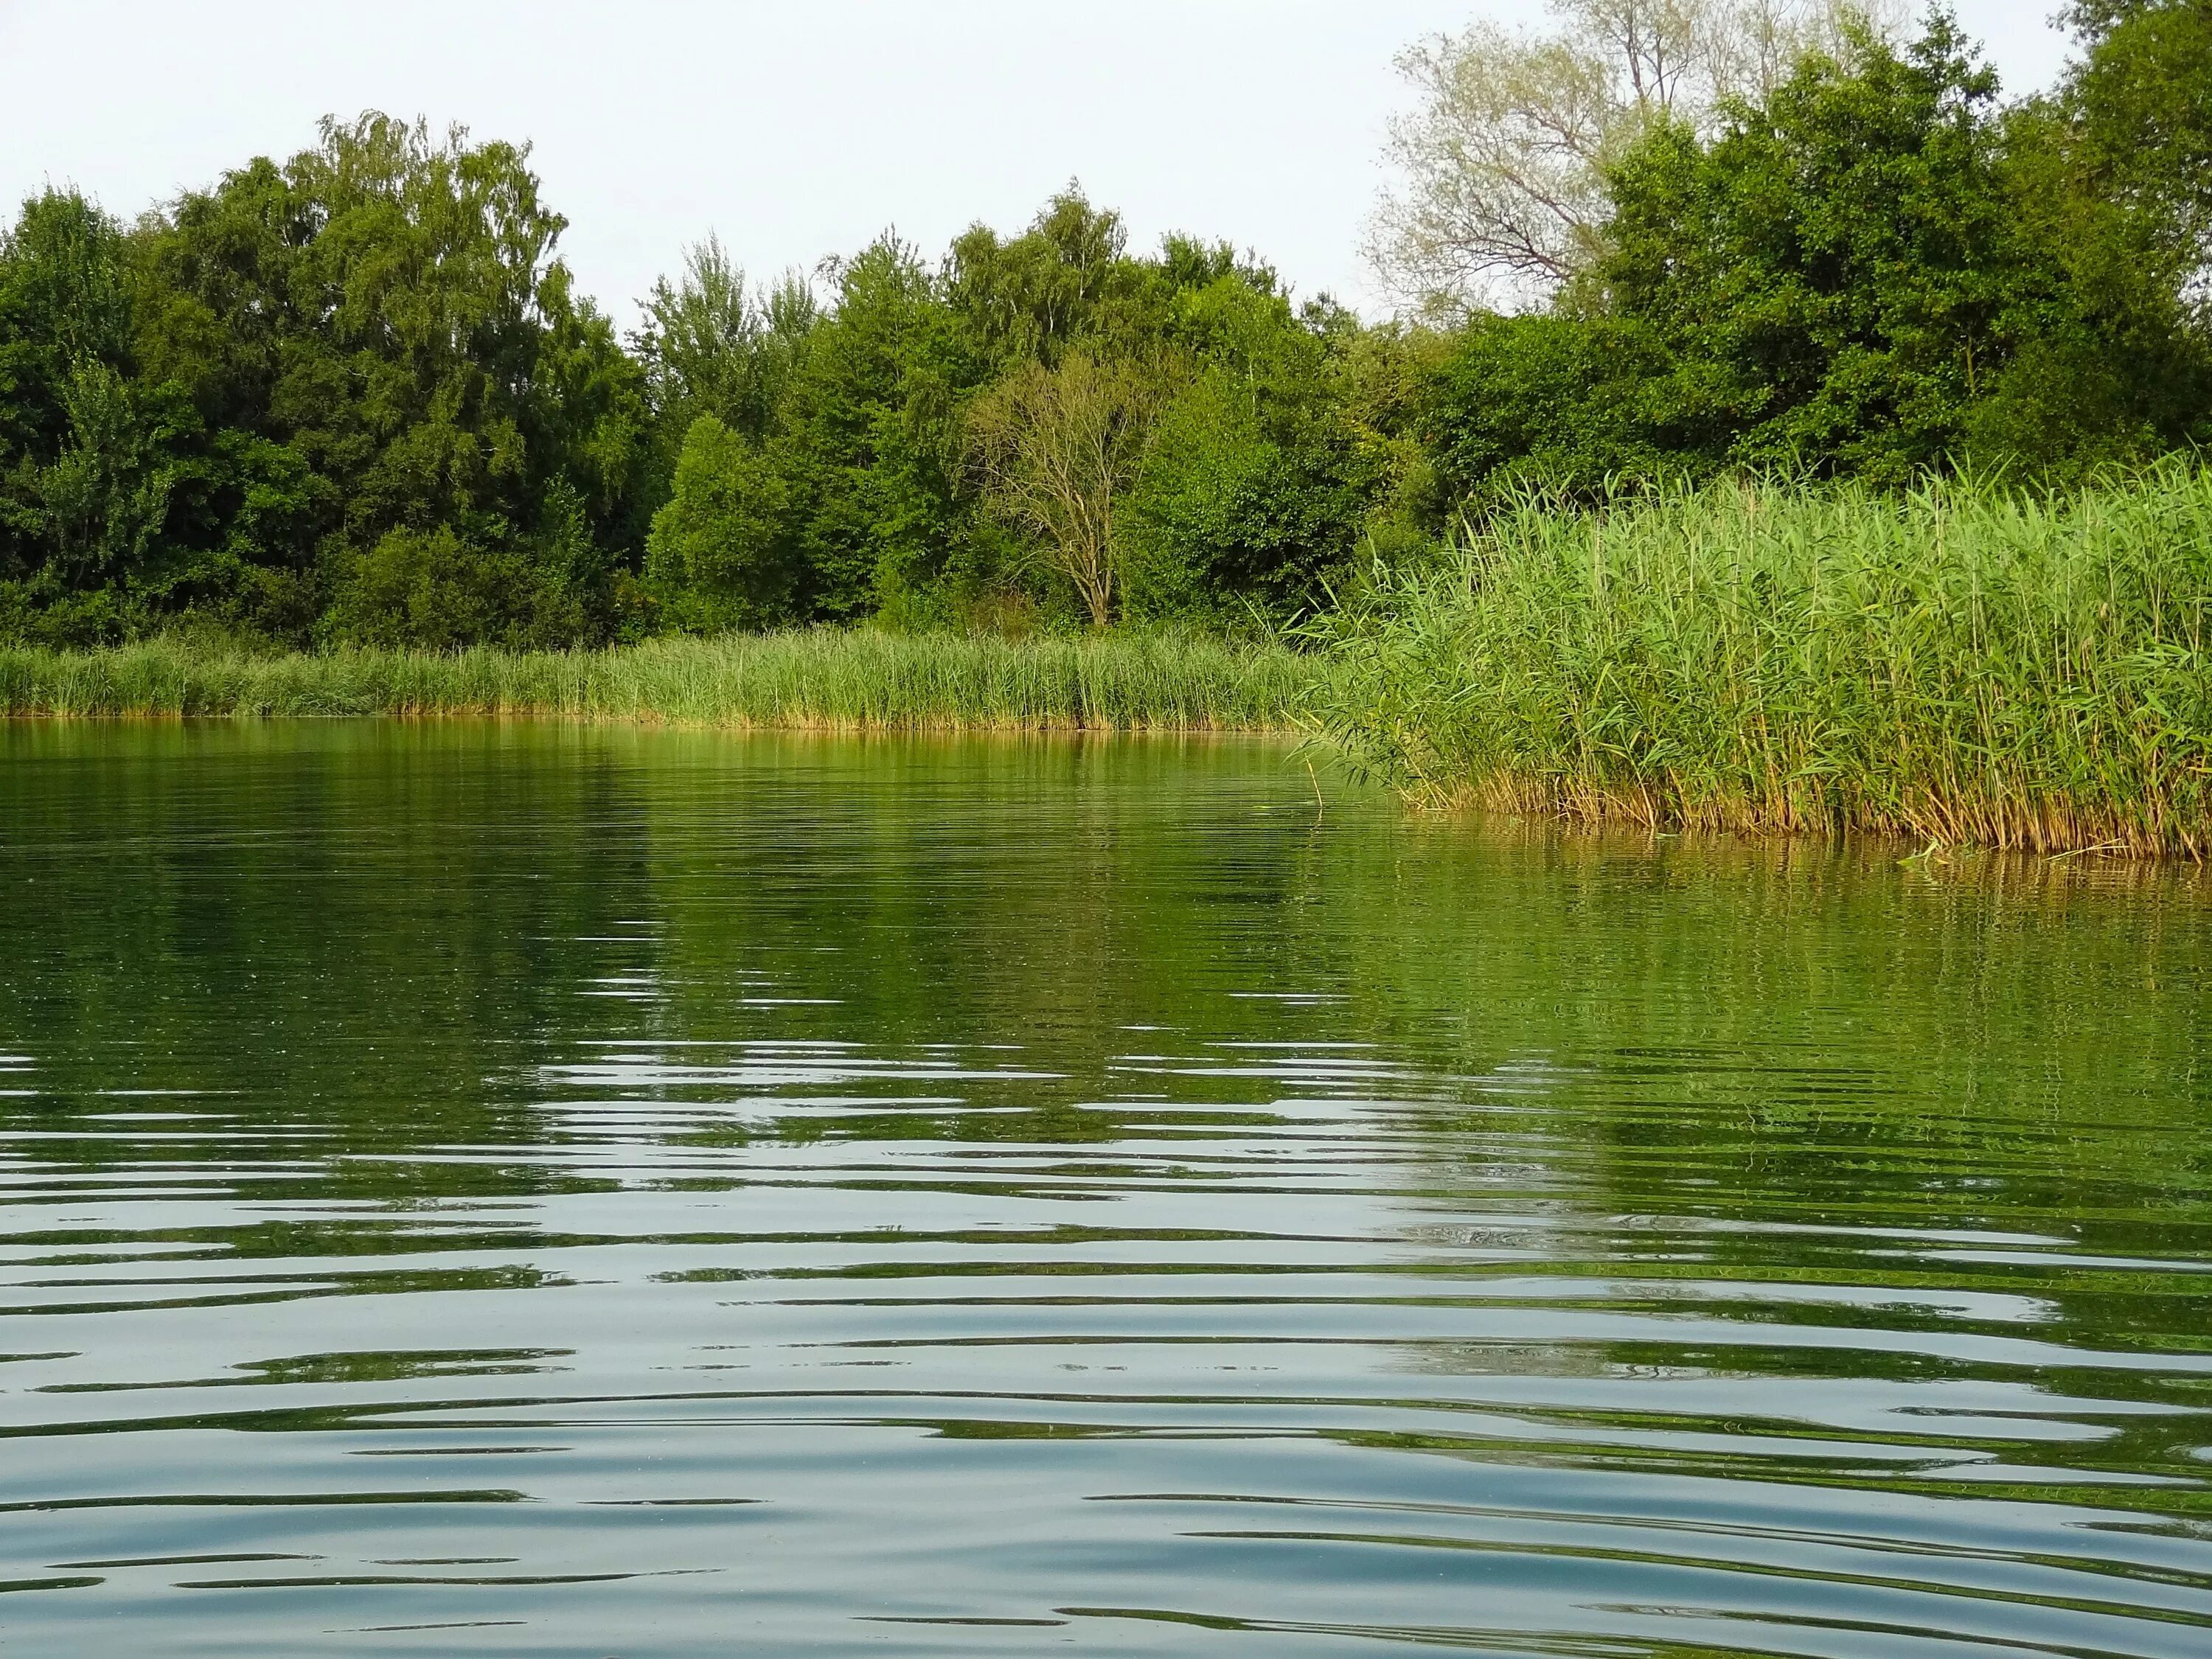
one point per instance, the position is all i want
(1961, 665)
(827, 679)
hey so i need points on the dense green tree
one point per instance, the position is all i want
(711, 343)
(1574, 403)
(353, 396)
(1845, 257)
(1874, 271)
(316, 377)
(1261, 482)
(861, 457)
(817, 444)
(1067, 279)
(2143, 94)
(90, 456)
(724, 550)
(875, 436)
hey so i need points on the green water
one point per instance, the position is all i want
(513, 1190)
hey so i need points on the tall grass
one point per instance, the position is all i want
(1959, 665)
(828, 679)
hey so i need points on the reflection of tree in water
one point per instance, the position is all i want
(1022, 902)
(1943, 1122)
(383, 939)
(347, 933)
(359, 926)
(389, 933)
(1113, 1084)
(1808, 1030)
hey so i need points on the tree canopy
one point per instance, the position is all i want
(1875, 270)
(352, 396)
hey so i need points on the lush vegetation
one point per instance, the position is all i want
(1874, 270)
(1951, 662)
(842, 679)
(353, 398)
(1783, 429)
(1820, 493)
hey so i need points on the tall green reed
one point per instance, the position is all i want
(827, 678)
(1959, 664)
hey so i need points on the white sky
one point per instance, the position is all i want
(794, 128)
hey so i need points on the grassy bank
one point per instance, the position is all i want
(1955, 666)
(826, 678)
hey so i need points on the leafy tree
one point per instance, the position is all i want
(432, 590)
(1843, 255)
(1260, 481)
(1503, 194)
(2142, 97)
(724, 550)
(711, 344)
(106, 494)
(65, 300)
(1059, 449)
(1573, 404)
(858, 452)
(88, 458)
(874, 438)
(1224, 517)
(1066, 282)
(379, 334)
(1875, 271)
(2102, 357)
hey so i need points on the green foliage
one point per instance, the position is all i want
(1272, 466)
(1953, 662)
(2142, 100)
(87, 456)
(723, 551)
(855, 455)
(1573, 403)
(1874, 272)
(431, 589)
(1209, 465)
(875, 438)
(353, 397)
(1843, 257)
(65, 301)
(308, 402)
(852, 679)
(1237, 508)
(712, 346)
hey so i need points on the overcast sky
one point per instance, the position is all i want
(794, 129)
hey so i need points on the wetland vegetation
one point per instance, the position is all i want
(1125, 680)
(924, 1172)
(1816, 448)
(1956, 663)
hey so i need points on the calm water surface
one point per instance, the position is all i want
(522, 1190)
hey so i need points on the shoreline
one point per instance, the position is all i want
(818, 680)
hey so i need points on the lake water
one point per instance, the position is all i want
(553, 1191)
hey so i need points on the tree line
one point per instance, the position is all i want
(353, 397)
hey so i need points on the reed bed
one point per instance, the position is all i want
(1959, 665)
(828, 679)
